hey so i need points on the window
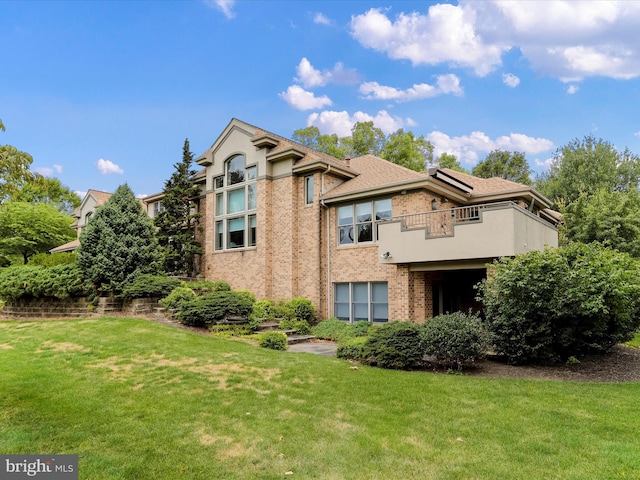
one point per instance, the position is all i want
(361, 301)
(236, 202)
(357, 223)
(157, 208)
(308, 189)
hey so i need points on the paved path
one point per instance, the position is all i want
(327, 349)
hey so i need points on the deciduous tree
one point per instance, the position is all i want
(508, 165)
(48, 190)
(586, 166)
(30, 228)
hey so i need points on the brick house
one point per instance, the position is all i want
(362, 238)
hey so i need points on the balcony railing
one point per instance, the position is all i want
(440, 223)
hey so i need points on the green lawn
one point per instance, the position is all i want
(140, 400)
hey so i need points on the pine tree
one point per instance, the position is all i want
(177, 223)
(118, 243)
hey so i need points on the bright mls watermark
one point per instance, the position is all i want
(48, 467)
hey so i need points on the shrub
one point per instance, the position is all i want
(177, 298)
(221, 286)
(455, 339)
(351, 348)
(300, 326)
(359, 328)
(62, 281)
(330, 329)
(263, 309)
(214, 307)
(147, 286)
(547, 306)
(53, 259)
(302, 309)
(394, 345)
(273, 340)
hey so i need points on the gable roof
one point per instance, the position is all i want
(370, 175)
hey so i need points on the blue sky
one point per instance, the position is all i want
(103, 93)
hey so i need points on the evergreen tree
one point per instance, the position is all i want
(177, 223)
(118, 243)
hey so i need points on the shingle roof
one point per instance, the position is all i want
(374, 172)
(486, 185)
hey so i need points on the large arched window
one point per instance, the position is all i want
(235, 205)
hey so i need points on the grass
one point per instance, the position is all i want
(635, 341)
(139, 400)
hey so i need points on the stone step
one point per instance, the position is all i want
(293, 339)
(264, 327)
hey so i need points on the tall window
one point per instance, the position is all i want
(357, 222)
(361, 301)
(308, 189)
(236, 202)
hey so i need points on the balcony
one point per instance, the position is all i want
(479, 232)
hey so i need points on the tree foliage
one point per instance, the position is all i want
(118, 243)
(446, 160)
(406, 150)
(508, 165)
(608, 217)
(546, 306)
(400, 147)
(177, 223)
(14, 171)
(30, 228)
(586, 166)
(43, 189)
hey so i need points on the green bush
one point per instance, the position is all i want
(358, 329)
(214, 307)
(53, 259)
(273, 340)
(263, 309)
(545, 307)
(300, 326)
(330, 329)
(456, 339)
(206, 286)
(394, 345)
(62, 281)
(351, 348)
(177, 298)
(148, 286)
(302, 309)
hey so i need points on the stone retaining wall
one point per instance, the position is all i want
(77, 307)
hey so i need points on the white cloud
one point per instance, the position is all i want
(445, 84)
(106, 167)
(637, 134)
(80, 194)
(510, 80)
(565, 39)
(543, 164)
(322, 19)
(446, 34)
(301, 99)
(470, 148)
(225, 6)
(572, 89)
(340, 123)
(48, 171)
(141, 195)
(310, 77)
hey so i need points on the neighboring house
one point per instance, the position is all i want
(362, 238)
(92, 200)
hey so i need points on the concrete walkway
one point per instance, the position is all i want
(328, 349)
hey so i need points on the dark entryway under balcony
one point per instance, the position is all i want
(453, 290)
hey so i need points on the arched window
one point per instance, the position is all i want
(235, 205)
